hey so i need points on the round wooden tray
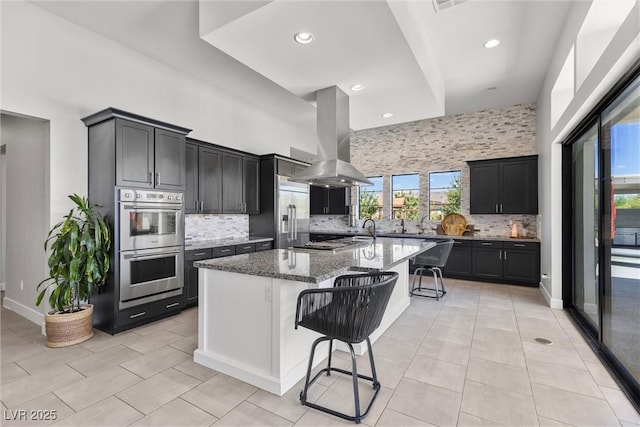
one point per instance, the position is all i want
(454, 224)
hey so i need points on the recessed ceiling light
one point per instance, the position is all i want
(491, 43)
(387, 115)
(303, 37)
(357, 87)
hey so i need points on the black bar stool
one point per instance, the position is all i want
(348, 312)
(432, 260)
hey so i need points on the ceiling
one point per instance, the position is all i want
(414, 62)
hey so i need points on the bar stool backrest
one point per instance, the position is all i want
(436, 256)
(351, 310)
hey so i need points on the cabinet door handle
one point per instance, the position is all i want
(157, 178)
(133, 316)
(172, 305)
(200, 254)
(486, 244)
(519, 245)
(500, 255)
(496, 208)
(201, 205)
(500, 207)
(197, 204)
(225, 251)
(505, 255)
(150, 181)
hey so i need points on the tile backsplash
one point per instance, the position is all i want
(485, 225)
(210, 227)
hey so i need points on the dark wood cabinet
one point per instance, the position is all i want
(487, 260)
(232, 183)
(203, 176)
(191, 273)
(459, 261)
(241, 184)
(149, 157)
(328, 201)
(504, 186)
(251, 185)
(134, 154)
(169, 160)
(509, 262)
(522, 262)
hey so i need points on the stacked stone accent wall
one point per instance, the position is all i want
(445, 144)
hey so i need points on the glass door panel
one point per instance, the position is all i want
(586, 216)
(621, 223)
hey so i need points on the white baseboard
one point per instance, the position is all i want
(552, 302)
(24, 311)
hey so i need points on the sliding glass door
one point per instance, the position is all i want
(621, 308)
(602, 237)
(586, 166)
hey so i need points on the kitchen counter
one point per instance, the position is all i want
(248, 306)
(429, 236)
(314, 266)
(216, 243)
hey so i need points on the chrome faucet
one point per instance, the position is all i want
(404, 230)
(364, 224)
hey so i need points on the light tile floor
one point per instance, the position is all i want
(468, 359)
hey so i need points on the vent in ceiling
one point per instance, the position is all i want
(440, 5)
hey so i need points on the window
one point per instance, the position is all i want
(405, 190)
(371, 200)
(444, 194)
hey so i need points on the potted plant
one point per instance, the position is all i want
(78, 266)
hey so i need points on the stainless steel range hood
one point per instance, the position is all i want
(332, 167)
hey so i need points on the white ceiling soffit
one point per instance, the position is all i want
(378, 44)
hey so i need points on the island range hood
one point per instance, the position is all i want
(332, 167)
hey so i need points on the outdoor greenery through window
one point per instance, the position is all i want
(444, 194)
(406, 199)
(371, 199)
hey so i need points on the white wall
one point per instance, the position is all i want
(61, 72)
(26, 164)
(3, 217)
(617, 58)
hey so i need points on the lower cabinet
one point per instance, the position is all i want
(511, 262)
(191, 273)
(459, 261)
(149, 312)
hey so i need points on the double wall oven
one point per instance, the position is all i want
(150, 245)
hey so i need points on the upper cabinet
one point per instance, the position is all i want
(241, 184)
(221, 181)
(504, 186)
(328, 201)
(147, 153)
(203, 171)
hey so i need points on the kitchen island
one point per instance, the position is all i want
(248, 302)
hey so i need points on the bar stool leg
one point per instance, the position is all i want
(354, 375)
(307, 381)
(329, 357)
(435, 279)
(374, 374)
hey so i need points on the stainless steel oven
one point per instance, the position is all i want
(150, 274)
(150, 246)
(150, 219)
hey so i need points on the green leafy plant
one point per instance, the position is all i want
(368, 205)
(453, 198)
(79, 260)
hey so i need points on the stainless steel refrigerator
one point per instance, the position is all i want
(284, 205)
(293, 213)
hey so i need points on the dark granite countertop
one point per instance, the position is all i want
(216, 243)
(432, 235)
(313, 266)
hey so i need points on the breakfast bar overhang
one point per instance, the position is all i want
(247, 306)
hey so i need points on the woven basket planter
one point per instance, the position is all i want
(65, 329)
